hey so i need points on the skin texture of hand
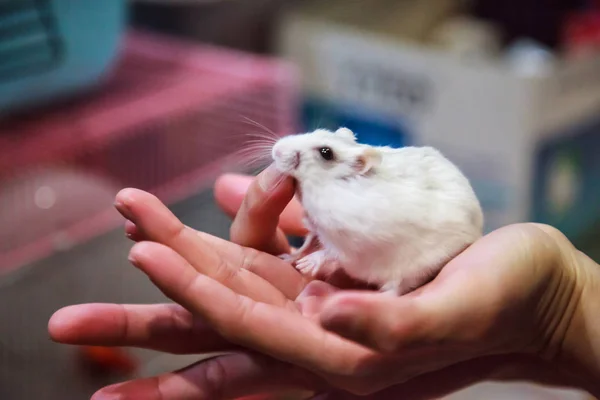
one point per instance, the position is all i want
(491, 314)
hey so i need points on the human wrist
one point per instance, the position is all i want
(578, 350)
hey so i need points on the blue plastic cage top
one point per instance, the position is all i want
(54, 48)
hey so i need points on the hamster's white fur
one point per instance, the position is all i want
(390, 217)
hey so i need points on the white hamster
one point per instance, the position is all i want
(388, 217)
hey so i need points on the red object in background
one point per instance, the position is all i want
(169, 119)
(581, 33)
(109, 359)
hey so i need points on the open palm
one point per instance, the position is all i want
(284, 332)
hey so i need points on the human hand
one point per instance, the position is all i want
(170, 327)
(549, 249)
(448, 322)
(248, 373)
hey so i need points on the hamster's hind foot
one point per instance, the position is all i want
(315, 263)
(311, 243)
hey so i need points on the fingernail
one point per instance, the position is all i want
(107, 393)
(123, 202)
(123, 209)
(133, 260)
(270, 178)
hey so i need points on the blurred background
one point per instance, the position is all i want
(164, 96)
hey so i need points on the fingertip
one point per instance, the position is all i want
(118, 391)
(317, 289)
(386, 324)
(125, 200)
(64, 324)
(129, 198)
(101, 395)
(271, 179)
(341, 314)
(58, 324)
(258, 212)
(143, 388)
(133, 233)
(130, 228)
(362, 318)
(125, 197)
(143, 251)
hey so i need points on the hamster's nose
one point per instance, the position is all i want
(276, 152)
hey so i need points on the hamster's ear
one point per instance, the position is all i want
(346, 134)
(367, 160)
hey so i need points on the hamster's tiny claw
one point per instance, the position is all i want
(289, 258)
(311, 264)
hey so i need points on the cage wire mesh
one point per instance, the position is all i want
(169, 118)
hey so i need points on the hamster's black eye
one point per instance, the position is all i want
(326, 153)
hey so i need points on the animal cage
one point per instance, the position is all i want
(170, 118)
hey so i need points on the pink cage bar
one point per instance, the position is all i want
(169, 118)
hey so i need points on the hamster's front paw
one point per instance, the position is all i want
(312, 263)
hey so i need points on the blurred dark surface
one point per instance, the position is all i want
(97, 271)
(538, 19)
(240, 24)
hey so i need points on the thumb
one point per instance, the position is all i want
(231, 191)
(381, 322)
(257, 217)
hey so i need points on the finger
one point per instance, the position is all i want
(242, 281)
(133, 233)
(451, 379)
(279, 332)
(230, 191)
(256, 223)
(382, 322)
(223, 377)
(311, 299)
(220, 259)
(162, 327)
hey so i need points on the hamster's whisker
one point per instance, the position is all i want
(254, 161)
(256, 149)
(265, 138)
(260, 141)
(255, 152)
(259, 125)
